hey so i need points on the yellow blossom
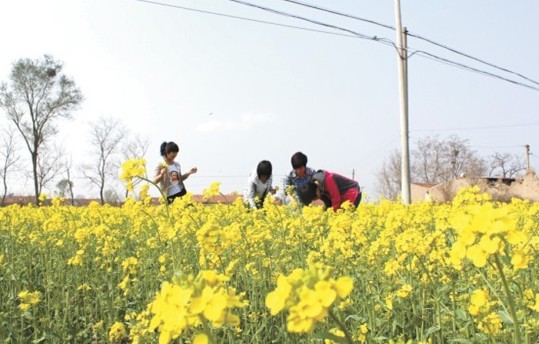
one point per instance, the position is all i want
(117, 332)
(201, 338)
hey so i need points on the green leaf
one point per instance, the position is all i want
(432, 329)
(356, 318)
(460, 340)
(461, 315)
(380, 338)
(506, 318)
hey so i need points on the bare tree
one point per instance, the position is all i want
(112, 197)
(427, 160)
(68, 164)
(49, 166)
(463, 160)
(135, 148)
(433, 161)
(437, 161)
(106, 137)
(9, 159)
(505, 165)
(65, 186)
(37, 95)
(389, 176)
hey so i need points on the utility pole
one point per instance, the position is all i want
(527, 158)
(402, 59)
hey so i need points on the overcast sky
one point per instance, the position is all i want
(232, 92)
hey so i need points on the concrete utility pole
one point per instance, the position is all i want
(402, 56)
(527, 158)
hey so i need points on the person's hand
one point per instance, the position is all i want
(163, 172)
(193, 170)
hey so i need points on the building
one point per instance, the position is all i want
(500, 189)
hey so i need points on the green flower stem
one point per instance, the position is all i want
(510, 300)
(342, 327)
(163, 196)
(207, 329)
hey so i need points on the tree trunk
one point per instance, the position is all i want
(101, 194)
(5, 188)
(34, 170)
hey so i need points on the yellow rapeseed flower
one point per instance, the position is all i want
(117, 332)
(343, 286)
(28, 299)
(201, 338)
(210, 192)
(404, 291)
(308, 295)
(276, 299)
(519, 260)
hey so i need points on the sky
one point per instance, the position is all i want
(232, 92)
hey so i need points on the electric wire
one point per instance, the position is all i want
(472, 57)
(479, 128)
(342, 14)
(414, 36)
(354, 34)
(360, 35)
(246, 19)
(472, 69)
(384, 40)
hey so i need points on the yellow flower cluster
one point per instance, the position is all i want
(362, 333)
(28, 299)
(485, 229)
(212, 191)
(416, 265)
(308, 296)
(481, 308)
(117, 332)
(189, 302)
(132, 168)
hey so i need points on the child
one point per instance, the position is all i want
(332, 188)
(300, 174)
(169, 175)
(258, 185)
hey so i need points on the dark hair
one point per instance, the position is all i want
(167, 147)
(307, 192)
(299, 160)
(264, 168)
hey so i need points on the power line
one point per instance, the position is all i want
(385, 41)
(480, 128)
(472, 69)
(342, 14)
(354, 34)
(414, 36)
(471, 57)
(506, 146)
(244, 18)
(360, 35)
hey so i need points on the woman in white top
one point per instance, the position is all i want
(258, 185)
(169, 174)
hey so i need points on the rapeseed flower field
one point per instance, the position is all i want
(188, 272)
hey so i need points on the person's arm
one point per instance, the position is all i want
(186, 175)
(288, 180)
(160, 172)
(251, 194)
(271, 189)
(333, 191)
